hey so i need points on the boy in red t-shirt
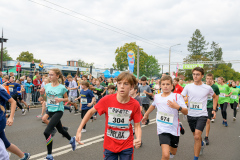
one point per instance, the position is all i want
(119, 110)
(178, 89)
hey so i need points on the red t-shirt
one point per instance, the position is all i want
(118, 134)
(178, 89)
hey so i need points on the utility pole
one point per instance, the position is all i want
(2, 40)
(170, 57)
(138, 63)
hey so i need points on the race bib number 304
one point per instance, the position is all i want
(118, 118)
(196, 105)
(165, 118)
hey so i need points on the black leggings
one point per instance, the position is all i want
(54, 122)
(82, 116)
(224, 110)
(15, 97)
(234, 107)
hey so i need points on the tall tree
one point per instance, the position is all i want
(27, 57)
(152, 67)
(197, 47)
(82, 63)
(122, 59)
(6, 56)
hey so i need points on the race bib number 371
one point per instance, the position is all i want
(118, 118)
(51, 101)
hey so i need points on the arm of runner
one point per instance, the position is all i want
(138, 133)
(64, 99)
(90, 104)
(228, 95)
(173, 104)
(150, 109)
(84, 121)
(78, 98)
(215, 102)
(13, 107)
(43, 96)
(104, 91)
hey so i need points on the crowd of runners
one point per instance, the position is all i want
(126, 103)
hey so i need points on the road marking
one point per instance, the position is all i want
(67, 148)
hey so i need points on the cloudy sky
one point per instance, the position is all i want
(55, 37)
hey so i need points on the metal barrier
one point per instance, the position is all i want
(32, 97)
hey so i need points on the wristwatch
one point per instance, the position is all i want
(180, 108)
(214, 110)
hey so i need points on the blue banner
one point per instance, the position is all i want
(131, 60)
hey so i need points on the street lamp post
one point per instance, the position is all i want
(1, 41)
(170, 56)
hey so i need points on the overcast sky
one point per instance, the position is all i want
(55, 37)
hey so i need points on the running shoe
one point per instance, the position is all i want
(70, 109)
(234, 118)
(76, 111)
(24, 112)
(237, 109)
(28, 108)
(226, 124)
(84, 130)
(26, 156)
(182, 131)
(8, 111)
(212, 120)
(54, 131)
(39, 116)
(203, 146)
(223, 123)
(49, 157)
(95, 117)
(91, 120)
(73, 143)
(207, 141)
(171, 155)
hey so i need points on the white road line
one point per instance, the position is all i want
(68, 148)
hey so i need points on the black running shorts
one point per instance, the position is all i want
(167, 138)
(210, 115)
(145, 106)
(198, 123)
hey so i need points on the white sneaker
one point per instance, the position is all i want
(84, 130)
(39, 116)
(202, 147)
(234, 118)
(24, 112)
(171, 155)
(212, 120)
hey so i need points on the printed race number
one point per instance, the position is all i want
(84, 100)
(51, 101)
(118, 118)
(196, 105)
(165, 118)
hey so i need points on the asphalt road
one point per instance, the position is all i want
(27, 134)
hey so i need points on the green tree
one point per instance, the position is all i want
(122, 60)
(27, 57)
(6, 56)
(197, 47)
(152, 67)
(225, 71)
(82, 63)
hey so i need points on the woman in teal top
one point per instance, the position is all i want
(234, 99)
(223, 99)
(55, 94)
